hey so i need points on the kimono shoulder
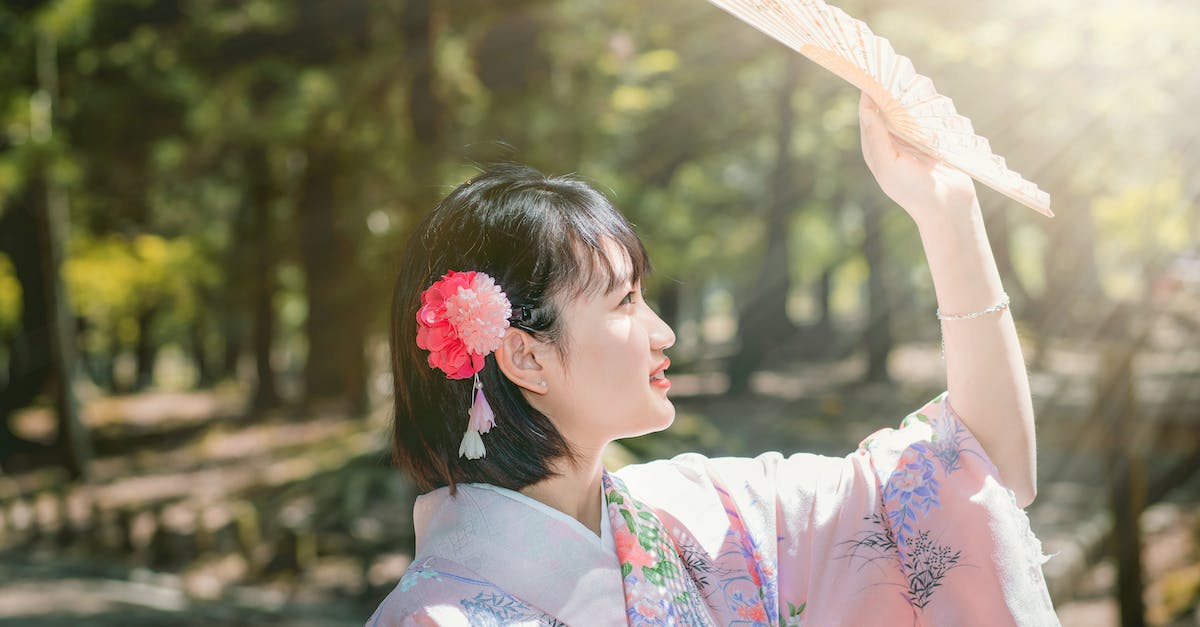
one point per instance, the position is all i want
(486, 556)
(434, 591)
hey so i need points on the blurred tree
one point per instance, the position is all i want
(29, 353)
(35, 242)
(879, 341)
(260, 198)
(762, 315)
(288, 73)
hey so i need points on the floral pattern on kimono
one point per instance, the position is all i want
(667, 574)
(658, 589)
(909, 494)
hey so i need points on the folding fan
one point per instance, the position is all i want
(912, 108)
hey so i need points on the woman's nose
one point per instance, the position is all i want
(662, 336)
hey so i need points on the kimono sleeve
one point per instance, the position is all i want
(915, 520)
(913, 527)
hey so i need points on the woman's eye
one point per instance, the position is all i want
(628, 300)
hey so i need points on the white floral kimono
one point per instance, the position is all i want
(911, 529)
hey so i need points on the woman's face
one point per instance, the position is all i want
(615, 342)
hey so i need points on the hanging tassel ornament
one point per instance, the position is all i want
(482, 419)
(463, 319)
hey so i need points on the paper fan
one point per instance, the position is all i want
(913, 109)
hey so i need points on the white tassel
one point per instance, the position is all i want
(472, 445)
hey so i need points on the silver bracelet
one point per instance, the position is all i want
(1000, 306)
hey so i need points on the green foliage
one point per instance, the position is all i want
(671, 107)
(111, 281)
(1148, 224)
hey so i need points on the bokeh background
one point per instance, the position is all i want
(203, 202)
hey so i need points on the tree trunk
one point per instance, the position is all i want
(29, 357)
(823, 292)
(878, 334)
(266, 394)
(824, 298)
(425, 111)
(73, 440)
(198, 338)
(1115, 408)
(231, 351)
(146, 351)
(762, 317)
(511, 63)
(109, 360)
(354, 337)
(34, 238)
(418, 36)
(335, 368)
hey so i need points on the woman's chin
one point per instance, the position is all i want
(661, 417)
(662, 422)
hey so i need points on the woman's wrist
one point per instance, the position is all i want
(957, 219)
(965, 276)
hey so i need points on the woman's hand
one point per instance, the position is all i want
(926, 188)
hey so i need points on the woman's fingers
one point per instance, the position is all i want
(913, 179)
(880, 147)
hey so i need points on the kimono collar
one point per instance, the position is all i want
(549, 562)
(658, 589)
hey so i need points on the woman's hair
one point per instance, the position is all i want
(542, 239)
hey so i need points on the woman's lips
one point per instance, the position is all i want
(658, 378)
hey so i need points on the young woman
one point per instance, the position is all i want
(522, 346)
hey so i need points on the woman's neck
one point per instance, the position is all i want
(574, 490)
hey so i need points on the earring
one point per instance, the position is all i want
(542, 383)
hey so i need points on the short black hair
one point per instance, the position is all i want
(542, 239)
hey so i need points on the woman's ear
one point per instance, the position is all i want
(523, 360)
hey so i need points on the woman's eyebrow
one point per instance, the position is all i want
(621, 289)
(625, 284)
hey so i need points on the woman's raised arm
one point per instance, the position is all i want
(985, 370)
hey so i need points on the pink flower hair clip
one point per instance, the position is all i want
(463, 317)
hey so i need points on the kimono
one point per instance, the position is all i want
(913, 528)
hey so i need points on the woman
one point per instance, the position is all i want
(521, 347)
